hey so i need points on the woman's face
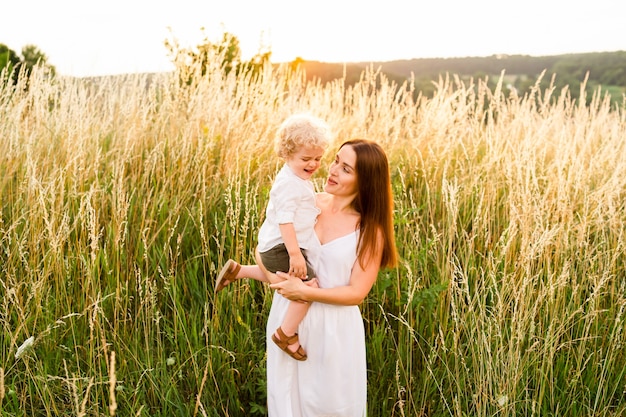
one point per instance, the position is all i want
(342, 177)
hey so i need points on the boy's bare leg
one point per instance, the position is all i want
(256, 272)
(252, 271)
(295, 313)
(233, 271)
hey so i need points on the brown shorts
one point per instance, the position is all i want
(277, 259)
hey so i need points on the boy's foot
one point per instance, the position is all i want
(227, 274)
(286, 342)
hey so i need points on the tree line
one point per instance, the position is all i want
(604, 71)
(13, 65)
(189, 62)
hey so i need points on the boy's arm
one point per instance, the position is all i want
(297, 263)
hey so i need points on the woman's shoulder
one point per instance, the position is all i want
(322, 198)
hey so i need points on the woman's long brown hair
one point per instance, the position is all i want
(374, 202)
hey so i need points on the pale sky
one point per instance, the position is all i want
(97, 37)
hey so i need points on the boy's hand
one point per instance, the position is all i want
(297, 265)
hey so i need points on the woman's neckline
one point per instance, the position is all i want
(335, 239)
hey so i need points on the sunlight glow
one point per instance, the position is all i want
(97, 37)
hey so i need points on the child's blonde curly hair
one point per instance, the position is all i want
(301, 130)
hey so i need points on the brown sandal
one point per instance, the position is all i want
(227, 275)
(283, 342)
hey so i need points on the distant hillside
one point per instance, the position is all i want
(606, 69)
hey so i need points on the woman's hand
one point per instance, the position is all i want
(293, 288)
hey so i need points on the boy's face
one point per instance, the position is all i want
(305, 161)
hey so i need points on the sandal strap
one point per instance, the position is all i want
(227, 275)
(283, 342)
(299, 354)
(235, 271)
(288, 340)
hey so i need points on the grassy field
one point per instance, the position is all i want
(121, 198)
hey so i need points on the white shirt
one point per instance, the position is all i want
(292, 200)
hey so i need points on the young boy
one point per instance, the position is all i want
(287, 231)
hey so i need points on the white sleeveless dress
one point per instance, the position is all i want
(332, 382)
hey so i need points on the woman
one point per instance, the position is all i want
(356, 239)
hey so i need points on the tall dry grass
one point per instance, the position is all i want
(121, 197)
